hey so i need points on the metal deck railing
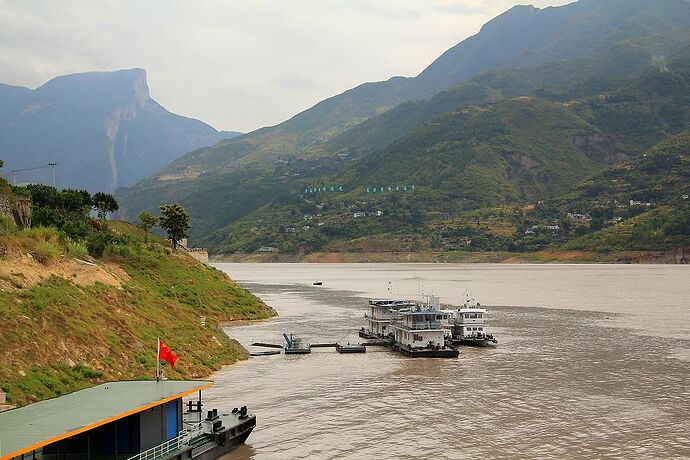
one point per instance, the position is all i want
(171, 446)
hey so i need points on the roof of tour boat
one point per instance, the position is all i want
(31, 427)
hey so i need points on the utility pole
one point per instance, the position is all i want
(53, 165)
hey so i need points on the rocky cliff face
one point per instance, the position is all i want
(103, 130)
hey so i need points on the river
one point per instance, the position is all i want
(592, 361)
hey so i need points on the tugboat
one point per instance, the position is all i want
(469, 326)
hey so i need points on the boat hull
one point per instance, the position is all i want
(297, 351)
(223, 443)
(367, 335)
(350, 349)
(474, 342)
(427, 352)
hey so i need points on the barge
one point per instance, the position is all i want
(136, 420)
(357, 348)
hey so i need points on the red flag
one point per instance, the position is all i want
(166, 353)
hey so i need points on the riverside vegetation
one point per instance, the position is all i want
(82, 301)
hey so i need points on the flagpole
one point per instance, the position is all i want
(158, 359)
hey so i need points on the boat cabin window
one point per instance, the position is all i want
(467, 315)
(473, 316)
(480, 329)
(480, 315)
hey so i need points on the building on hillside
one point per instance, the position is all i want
(268, 249)
(20, 213)
(639, 203)
(200, 254)
(580, 218)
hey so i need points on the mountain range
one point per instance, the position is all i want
(523, 111)
(102, 129)
(502, 133)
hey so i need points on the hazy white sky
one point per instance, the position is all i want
(236, 64)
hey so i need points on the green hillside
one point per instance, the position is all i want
(584, 43)
(80, 311)
(513, 153)
(661, 175)
(662, 228)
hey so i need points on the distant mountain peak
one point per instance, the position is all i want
(102, 128)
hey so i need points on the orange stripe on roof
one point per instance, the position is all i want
(102, 422)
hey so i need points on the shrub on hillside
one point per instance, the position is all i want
(96, 242)
(117, 250)
(46, 252)
(7, 225)
(77, 250)
(46, 234)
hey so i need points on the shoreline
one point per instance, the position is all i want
(671, 257)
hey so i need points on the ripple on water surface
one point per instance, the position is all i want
(561, 384)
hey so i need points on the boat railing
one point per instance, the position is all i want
(171, 446)
(461, 321)
(422, 325)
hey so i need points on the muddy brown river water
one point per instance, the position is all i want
(593, 361)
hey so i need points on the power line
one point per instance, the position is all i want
(15, 171)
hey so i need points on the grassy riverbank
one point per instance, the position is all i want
(70, 320)
(542, 257)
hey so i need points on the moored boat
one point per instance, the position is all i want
(469, 326)
(296, 346)
(356, 348)
(136, 420)
(421, 333)
(382, 312)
